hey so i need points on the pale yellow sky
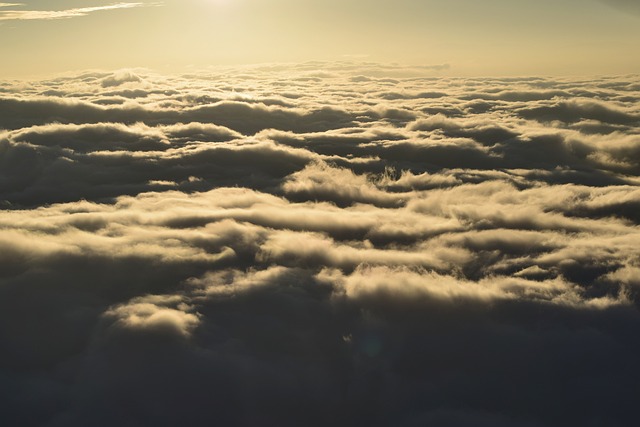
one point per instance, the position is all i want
(489, 37)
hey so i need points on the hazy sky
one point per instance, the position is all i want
(474, 37)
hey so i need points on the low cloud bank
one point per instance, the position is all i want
(284, 246)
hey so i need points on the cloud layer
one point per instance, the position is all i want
(321, 244)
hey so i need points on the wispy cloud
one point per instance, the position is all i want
(23, 15)
(628, 6)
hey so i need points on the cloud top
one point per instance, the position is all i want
(319, 244)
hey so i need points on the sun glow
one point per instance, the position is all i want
(220, 2)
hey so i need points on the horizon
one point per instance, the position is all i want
(496, 37)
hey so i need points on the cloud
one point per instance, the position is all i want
(624, 5)
(318, 244)
(23, 15)
(575, 111)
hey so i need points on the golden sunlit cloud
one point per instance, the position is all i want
(11, 15)
(309, 244)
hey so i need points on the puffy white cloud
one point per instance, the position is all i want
(146, 317)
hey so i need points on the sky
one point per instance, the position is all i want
(490, 37)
